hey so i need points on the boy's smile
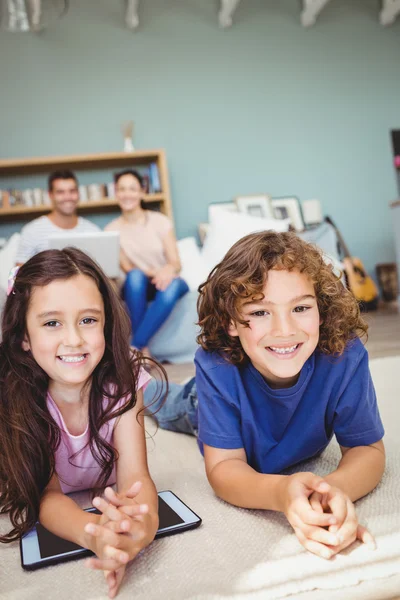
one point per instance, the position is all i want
(283, 327)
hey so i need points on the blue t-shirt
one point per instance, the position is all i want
(280, 427)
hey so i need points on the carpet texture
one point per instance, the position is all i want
(239, 554)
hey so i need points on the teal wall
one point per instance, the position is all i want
(265, 106)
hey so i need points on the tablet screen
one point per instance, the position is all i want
(51, 545)
(167, 516)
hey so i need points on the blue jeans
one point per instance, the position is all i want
(146, 320)
(179, 410)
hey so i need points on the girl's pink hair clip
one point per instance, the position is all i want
(11, 280)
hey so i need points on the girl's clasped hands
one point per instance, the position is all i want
(123, 530)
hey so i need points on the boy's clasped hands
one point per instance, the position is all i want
(123, 530)
(323, 516)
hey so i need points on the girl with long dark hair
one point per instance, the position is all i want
(71, 412)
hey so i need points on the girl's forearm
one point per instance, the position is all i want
(237, 483)
(359, 471)
(147, 495)
(63, 517)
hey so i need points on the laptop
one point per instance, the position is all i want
(102, 246)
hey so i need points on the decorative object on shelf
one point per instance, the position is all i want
(127, 132)
(30, 15)
(288, 208)
(312, 212)
(257, 205)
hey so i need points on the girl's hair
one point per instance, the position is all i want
(29, 436)
(242, 275)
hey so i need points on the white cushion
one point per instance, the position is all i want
(226, 228)
(194, 269)
(225, 206)
(7, 259)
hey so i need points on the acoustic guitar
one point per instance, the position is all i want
(358, 280)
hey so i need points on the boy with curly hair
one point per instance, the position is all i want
(281, 370)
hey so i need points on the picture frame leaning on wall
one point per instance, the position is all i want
(288, 207)
(256, 205)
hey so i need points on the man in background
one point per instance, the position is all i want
(64, 196)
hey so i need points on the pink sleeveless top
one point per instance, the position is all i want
(82, 472)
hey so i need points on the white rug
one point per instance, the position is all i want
(240, 554)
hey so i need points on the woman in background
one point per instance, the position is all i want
(149, 257)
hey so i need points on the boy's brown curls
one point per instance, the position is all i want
(242, 275)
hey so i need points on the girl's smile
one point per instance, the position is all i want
(73, 359)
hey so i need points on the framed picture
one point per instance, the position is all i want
(258, 205)
(288, 208)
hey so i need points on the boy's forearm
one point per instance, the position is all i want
(237, 483)
(359, 471)
(63, 517)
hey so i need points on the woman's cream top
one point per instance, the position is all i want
(143, 242)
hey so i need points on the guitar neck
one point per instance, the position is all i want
(340, 238)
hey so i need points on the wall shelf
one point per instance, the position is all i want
(20, 167)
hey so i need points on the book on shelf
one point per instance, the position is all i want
(110, 189)
(146, 183)
(46, 198)
(27, 197)
(37, 197)
(15, 197)
(155, 186)
(83, 194)
(94, 192)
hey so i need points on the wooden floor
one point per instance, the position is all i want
(383, 340)
(384, 332)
